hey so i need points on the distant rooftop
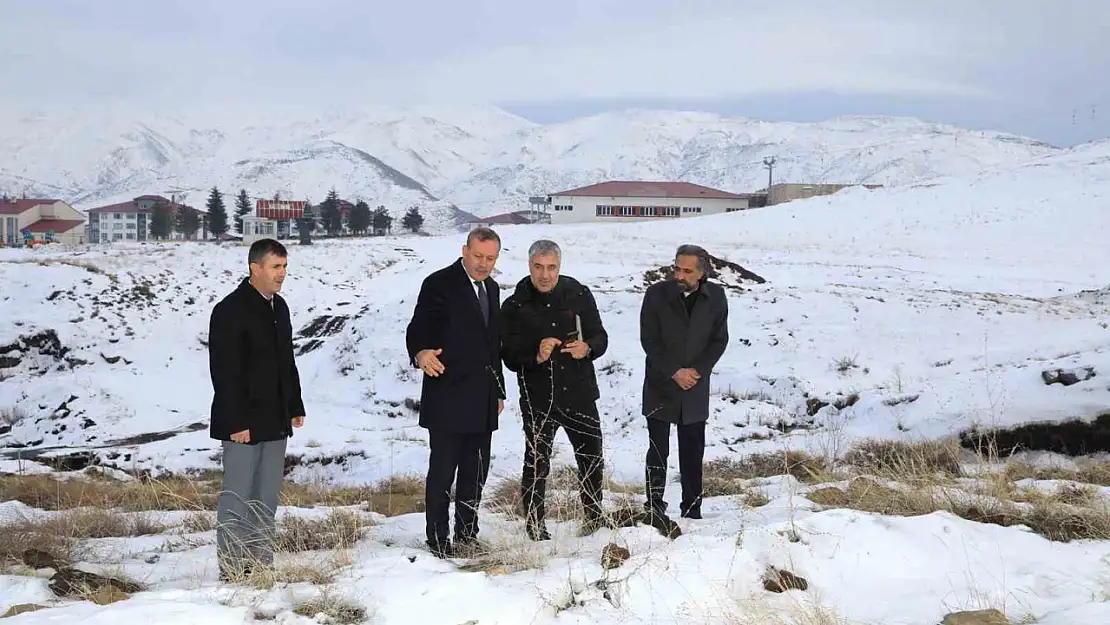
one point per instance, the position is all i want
(644, 188)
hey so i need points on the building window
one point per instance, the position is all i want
(604, 210)
(564, 207)
(691, 209)
(117, 215)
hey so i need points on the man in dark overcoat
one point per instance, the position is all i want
(256, 403)
(551, 332)
(683, 332)
(454, 339)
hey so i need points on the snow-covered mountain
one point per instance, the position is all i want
(456, 161)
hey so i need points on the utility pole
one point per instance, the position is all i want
(769, 163)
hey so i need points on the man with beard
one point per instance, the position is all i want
(454, 338)
(256, 403)
(551, 332)
(683, 332)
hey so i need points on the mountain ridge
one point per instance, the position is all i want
(455, 163)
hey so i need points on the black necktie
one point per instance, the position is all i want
(483, 301)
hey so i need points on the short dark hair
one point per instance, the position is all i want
(482, 233)
(696, 251)
(261, 247)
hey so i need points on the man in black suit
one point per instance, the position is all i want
(256, 403)
(683, 332)
(454, 338)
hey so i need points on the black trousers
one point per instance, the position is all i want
(467, 457)
(583, 428)
(691, 450)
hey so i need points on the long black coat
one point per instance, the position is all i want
(672, 340)
(255, 381)
(462, 399)
(529, 316)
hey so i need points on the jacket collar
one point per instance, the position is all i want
(253, 294)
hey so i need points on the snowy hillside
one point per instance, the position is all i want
(909, 313)
(481, 160)
(957, 295)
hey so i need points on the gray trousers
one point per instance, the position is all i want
(247, 505)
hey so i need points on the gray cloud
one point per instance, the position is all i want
(1002, 58)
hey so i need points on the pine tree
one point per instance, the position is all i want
(187, 222)
(217, 213)
(360, 219)
(413, 220)
(330, 217)
(242, 207)
(161, 221)
(381, 219)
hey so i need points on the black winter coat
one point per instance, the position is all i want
(529, 316)
(672, 339)
(255, 382)
(462, 399)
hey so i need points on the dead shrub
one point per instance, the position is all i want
(341, 529)
(901, 460)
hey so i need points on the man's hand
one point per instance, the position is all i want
(577, 349)
(546, 347)
(500, 405)
(428, 361)
(242, 437)
(686, 378)
(298, 422)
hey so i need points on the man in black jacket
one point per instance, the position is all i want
(551, 332)
(684, 332)
(453, 338)
(255, 404)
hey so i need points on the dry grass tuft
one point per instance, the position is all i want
(505, 556)
(392, 496)
(336, 610)
(725, 476)
(1090, 472)
(906, 461)
(396, 495)
(19, 537)
(1062, 516)
(563, 502)
(49, 492)
(199, 522)
(341, 529)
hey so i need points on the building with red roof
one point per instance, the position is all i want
(130, 221)
(39, 220)
(638, 200)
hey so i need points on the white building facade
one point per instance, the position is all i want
(627, 201)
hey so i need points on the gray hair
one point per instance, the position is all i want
(696, 251)
(543, 247)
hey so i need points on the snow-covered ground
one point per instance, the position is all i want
(938, 306)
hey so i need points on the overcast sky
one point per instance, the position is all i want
(1033, 67)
